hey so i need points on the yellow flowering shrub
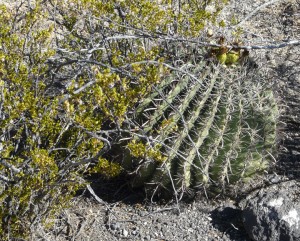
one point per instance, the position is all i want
(109, 169)
(70, 71)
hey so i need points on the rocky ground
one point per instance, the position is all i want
(118, 213)
(132, 219)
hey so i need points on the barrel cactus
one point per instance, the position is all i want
(204, 125)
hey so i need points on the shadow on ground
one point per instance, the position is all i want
(228, 220)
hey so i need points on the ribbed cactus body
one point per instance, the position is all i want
(214, 126)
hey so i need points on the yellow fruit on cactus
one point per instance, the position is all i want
(232, 57)
(222, 58)
(222, 55)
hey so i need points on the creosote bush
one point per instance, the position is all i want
(71, 72)
(33, 179)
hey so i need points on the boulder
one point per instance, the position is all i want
(273, 213)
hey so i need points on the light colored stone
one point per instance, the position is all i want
(273, 213)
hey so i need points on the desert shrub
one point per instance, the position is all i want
(34, 181)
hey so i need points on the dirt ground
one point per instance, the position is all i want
(126, 215)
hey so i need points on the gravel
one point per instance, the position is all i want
(198, 220)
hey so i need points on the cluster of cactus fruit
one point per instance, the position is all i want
(206, 125)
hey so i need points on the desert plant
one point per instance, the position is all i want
(35, 179)
(205, 126)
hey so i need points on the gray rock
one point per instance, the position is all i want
(273, 213)
(114, 226)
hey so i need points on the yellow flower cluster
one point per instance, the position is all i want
(141, 150)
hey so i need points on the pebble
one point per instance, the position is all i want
(125, 232)
(115, 226)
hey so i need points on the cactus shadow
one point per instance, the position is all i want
(228, 220)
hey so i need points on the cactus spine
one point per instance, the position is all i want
(225, 128)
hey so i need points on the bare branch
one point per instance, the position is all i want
(98, 199)
(10, 166)
(283, 44)
(5, 179)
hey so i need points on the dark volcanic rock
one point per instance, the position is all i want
(273, 213)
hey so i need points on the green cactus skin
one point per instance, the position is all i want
(226, 128)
